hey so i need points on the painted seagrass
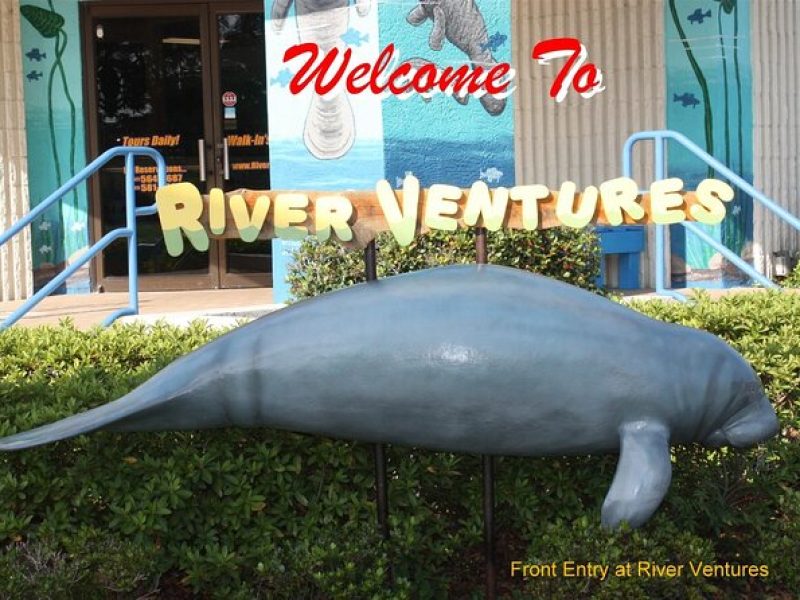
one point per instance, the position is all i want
(480, 359)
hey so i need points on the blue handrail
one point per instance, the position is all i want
(129, 231)
(661, 138)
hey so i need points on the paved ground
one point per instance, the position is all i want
(218, 307)
(90, 309)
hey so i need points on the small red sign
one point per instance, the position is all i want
(229, 99)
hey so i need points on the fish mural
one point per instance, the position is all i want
(35, 54)
(353, 37)
(491, 175)
(686, 99)
(34, 76)
(577, 374)
(495, 42)
(283, 78)
(699, 16)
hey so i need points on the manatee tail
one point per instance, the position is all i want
(107, 416)
(160, 403)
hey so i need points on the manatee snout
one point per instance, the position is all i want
(754, 423)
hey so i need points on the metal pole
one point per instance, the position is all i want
(482, 256)
(379, 450)
(133, 242)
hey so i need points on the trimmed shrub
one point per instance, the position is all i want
(567, 254)
(269, 514)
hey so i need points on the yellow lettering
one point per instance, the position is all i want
(249, 225)
(481, 203)
(665, 198)
(290, 215)
(711, 193)
(515, 566)
(565, 209)
(180, 207)
(333, 213)
(216, 211)
(403, 224)
(442, 203)
(620, 195)
(530, 195)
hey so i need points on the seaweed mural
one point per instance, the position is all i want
(707, 50)
(50, 25)
(54, 135)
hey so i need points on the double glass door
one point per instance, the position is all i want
(190, 81)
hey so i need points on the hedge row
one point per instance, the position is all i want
(571, 255)
(268, 514)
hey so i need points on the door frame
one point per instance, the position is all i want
(216, 276)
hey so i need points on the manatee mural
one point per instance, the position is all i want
(464, 140)
(330, 124)
(709, 86)
(462, 24)
(479, 359)
(327, 143)
(346, 141)
(53, 114)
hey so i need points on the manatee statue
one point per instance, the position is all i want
(479, 359)
(461, 22)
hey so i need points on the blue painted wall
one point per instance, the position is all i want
(442, 141)
(711, 103)
(51, 50)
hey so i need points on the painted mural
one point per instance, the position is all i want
(331, 142)
(346, 141)
(709, 82)
(55, 134)
(448, 139)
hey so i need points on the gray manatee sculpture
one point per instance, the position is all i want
(461, 22)
(479, 359)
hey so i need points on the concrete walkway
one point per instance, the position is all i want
(218, 307)
(86, 310)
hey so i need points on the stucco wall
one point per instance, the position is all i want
(16, 281)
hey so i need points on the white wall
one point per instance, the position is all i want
(776, 117)
(16, 280)
(581, 139)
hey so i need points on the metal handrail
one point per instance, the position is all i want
(129, 231)
(661, 137)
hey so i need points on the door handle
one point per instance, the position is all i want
(201, 153)
(226, 163)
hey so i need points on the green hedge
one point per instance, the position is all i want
(571, 255)
(268, 514)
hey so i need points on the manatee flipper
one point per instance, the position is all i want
(436, 40)
(417, 16)
(643, 474)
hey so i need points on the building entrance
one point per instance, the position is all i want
(188, 79)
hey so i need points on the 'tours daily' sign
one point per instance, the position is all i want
(356, 217)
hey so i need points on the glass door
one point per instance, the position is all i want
(190, 81)
(240, 128)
